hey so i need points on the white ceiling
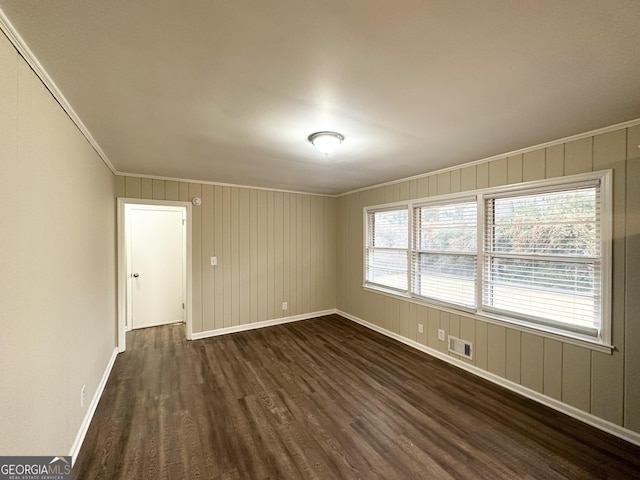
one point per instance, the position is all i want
(228, 91)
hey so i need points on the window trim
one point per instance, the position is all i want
(601, 342)
(390, 207)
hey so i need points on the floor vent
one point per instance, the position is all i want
(461, 347)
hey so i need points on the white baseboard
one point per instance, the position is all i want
(253, 326)
(605, 425)
(75, 449)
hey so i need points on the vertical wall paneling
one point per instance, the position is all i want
(412, 323)
(607, 371)
(532, 373)
(433, 324)
(433, 185)
(262, 256)
(253, 256)
(578, 156)
(388, 193)
(405, 191)
(632, 301)
(481, 353)
(119, 186)
(218, 251)
(552, 374)
(454, 330)
(305, 273)
(286, 248)
(514, 169)
(235, 257)
(278, 202)
(482, 175)
(171, 190)
(413, 189)
(444, 183)
(498, 172)
(468, 333)
(146, 188)
(422, 187)
(513, 355)
(227, 260)
(132, 187)
(313, 249)
(533, 165)
(633, 142)
(208, 251)
(455, 180)
(195, 190)
(244, 256)
(554, 165)
(444, 325)
(576, 376)
(293, 255)
(496, 349)
(183, 191)
(157, 189)
(271, 256)
(468, 178)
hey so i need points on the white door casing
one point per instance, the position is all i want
(124, 283)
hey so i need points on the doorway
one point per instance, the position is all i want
(154, 258)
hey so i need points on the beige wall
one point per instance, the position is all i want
(57, 266)
(272, 247)
(607, 386)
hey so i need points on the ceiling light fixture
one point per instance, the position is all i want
(326, 142)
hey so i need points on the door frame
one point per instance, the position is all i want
(122, 263)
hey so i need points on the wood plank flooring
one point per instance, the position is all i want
(327, 399)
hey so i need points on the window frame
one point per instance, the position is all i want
(601, 342)
(415, 251)
(386, 208)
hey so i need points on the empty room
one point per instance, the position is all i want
(333, 240)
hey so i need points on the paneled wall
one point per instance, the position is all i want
(272, 247)
(57, 266)
(607, 386)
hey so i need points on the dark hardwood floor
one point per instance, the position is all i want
(328, 399)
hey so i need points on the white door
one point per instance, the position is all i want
(157, 265)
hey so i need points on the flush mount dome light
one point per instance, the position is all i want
(326, 142)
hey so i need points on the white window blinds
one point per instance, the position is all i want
(536, 255)
(543, 257)
(387, 248)
(445, 252)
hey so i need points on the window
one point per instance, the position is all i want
(387, 248)
(445, 252)
(536, 255)
(543, 257)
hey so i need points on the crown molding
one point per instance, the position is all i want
(25, 52)
(552, 143)
(220, 184)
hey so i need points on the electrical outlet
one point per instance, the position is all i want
(420, 328)
(214, 261)
(441, 334)
(82, 392)
(285, 305)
